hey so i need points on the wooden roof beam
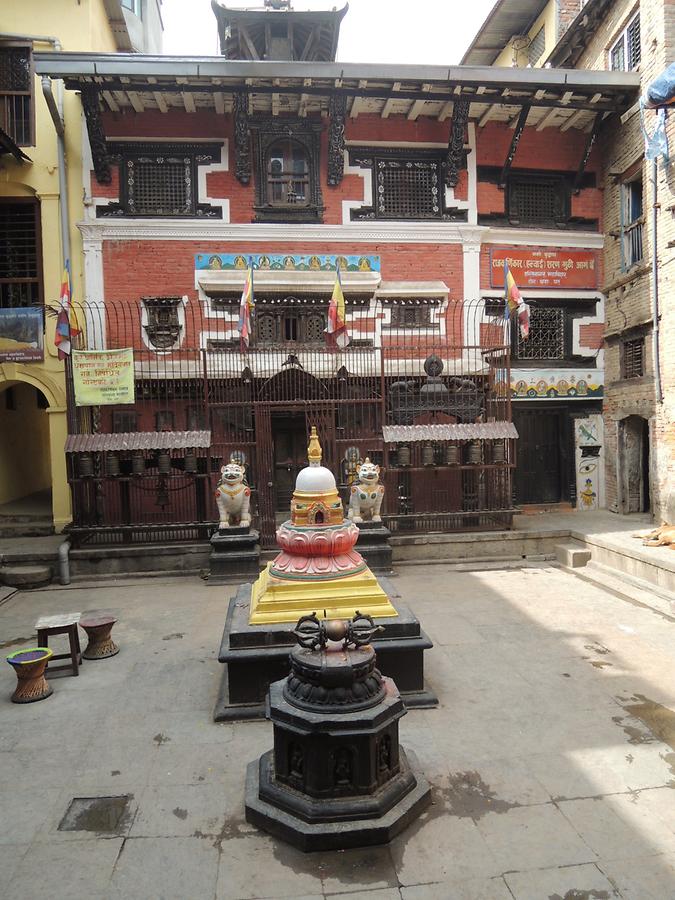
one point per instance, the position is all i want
(572, 120)
(160, 101)
(248, 42)
(135, 101)
(445, 111)
(188, 102)
(418, 105)
(546, 120)
(389, 102)
(309, 43)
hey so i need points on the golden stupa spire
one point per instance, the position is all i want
(314, 448)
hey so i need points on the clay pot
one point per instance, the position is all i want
(29, 666)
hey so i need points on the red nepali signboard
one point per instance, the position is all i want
(545, 268)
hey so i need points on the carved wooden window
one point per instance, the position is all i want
(16, 92)
(537, 200)
(289, 325)
(633, 358)
(20, 253)
(547, 338)
(161, 181)
(163, 327)
(410, 316)
(287, 173)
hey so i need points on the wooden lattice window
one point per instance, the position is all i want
(536, 200)
(633, 358)
(161, 181)
(20, 253)
(546, 339)
(408, 189)
(16, 92)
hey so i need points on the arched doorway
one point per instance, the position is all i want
(633, 459)
(25, 460)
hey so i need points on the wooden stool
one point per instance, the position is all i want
(66, 623)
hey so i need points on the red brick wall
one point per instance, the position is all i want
(591, 335)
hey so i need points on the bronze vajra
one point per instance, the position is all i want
(313, 633)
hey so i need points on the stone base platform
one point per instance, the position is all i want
(235, 554)
(256, 655)
(344, 833)
(373, 545)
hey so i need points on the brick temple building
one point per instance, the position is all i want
(419, 183)
(638, 202)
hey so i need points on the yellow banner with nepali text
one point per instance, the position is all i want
(103, 377)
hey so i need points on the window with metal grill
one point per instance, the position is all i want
(626, 53)
(537, 200)
(16, 92)
(124, 422)
(287, 174)
(20, 253)
(537, 46)
(547, 334)
(160, 181)
(633, 358)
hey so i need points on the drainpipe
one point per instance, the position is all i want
(655, 288)
(55, 107)
(64, 563)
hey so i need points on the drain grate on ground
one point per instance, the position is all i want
(104, 815)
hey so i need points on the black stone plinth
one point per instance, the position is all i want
(337, 776)
(235, 554)
(341, 834)
(255, 656)
(373, 545)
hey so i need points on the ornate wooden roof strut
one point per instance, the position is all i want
(590, 140)
(336, 139)
(515, 140)
(455, 155)
(96, 132)
(242, 138)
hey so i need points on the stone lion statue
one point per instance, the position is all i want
(664, 536)
(366, 495)
(233, 496)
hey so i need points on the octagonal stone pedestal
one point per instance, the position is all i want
(336, 777)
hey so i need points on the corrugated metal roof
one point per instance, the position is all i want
(506, 19)
(481, 430)
(137, 440)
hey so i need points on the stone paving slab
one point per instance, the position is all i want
(551, 755)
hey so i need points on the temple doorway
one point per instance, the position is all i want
(289, 439)
(633, 475)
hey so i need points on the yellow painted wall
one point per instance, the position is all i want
(24, 448)
(547, 19)
(80, 25)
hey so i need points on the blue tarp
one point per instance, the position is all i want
(661, 92)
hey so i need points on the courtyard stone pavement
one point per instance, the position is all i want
(552, 754)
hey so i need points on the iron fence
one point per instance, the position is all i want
(409, 364)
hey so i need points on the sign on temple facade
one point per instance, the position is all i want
(550, 268)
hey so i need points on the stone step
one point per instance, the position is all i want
(629, 587)
(26, 577)
(572, 554)
(11, 528)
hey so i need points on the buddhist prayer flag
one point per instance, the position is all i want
(246, 309)
(336, 332)
(515, 305)
(66, 329)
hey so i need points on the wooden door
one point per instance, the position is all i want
(538, 470)
(289, 436)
